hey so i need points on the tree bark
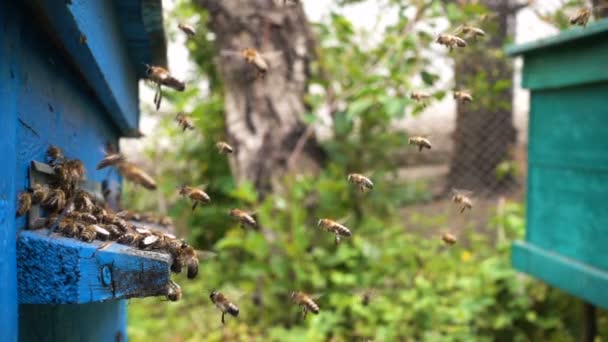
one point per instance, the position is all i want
(484, 133)
(601, 8)
(263, 115)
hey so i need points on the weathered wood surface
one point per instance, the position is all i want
(58, 270)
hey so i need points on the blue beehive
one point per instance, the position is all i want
(69, 74)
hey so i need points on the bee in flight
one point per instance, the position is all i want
(195, 195)
(462, 197)
(463, 96)
(581, 17)
(306, 302)
(362, 182)
(111, 159)
(420, 97)
(334, 227)
(245, 219)
(448, 238)
(451, 41)
(188, 29)
(223, 147)
(421, 141)
(223, 304)
(136, 175)
(471, 31)
(184, 121)
(260, 61)
(161, 77)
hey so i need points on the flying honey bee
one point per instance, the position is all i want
(223, 147)
(420, 96)
(471, 31)
(112, 159)
(362, 182)
(581, 17)
(258, 60)
(306, 302)
(188, 29)
(223, 304)
(24, 203)
(448, 238)
(184, 121)
(334, 227)
(162, 77)
(451, 41)
(245, 219)
(462, 197)
(136, 175)
(195, 195)
(421, 141)
(173, 291)
(463, 96)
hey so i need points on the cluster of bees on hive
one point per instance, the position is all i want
(73, 213)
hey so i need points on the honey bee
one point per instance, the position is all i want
(451, 41)
(255, 58)
(421, 141)
(462, 197)
(195, 195)
(162, 77)
(75, 170)
(306, 302)
(334, 227)
(54, 155)
(39, 193)
(24, 203)
(70, 228)
(420, 96)
(173, 291)
(471, 31)
(448, 238)
(463, 96)
(129, 239)
(184, 121)
(89, 233)
(112, 159)
(223, 147)
(361, 181)
(136, 175)
(245, 219)
(55, 201)
(82, 202)
(114, 231)
(581, 17)
(189, 30)
(191, 262)
(223, 304)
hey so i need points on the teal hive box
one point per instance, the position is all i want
(566, 241)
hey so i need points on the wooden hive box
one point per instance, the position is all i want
(69, 73)
(566, 241)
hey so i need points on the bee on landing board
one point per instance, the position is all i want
(363, 183)
(306, 302)
(195, 195)
(421, 142)
(24, 203)
(188, 29)
(224, 147)
(245, 219)
(463, 96)
(451, 41)
(462, 197)
(334, 227)
(223, 304)
(161, 77)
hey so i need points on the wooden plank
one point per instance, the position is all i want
(570, 275)
(10, 68)
(573, 34)
(569, 126)
(57, 270)
(567, 213)
(103, 59)
(71, 322)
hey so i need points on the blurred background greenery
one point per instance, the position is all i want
(421, 289)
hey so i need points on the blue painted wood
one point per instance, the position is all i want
(103, 60)
(9, 69)
(60, 270)
(104, 322)
(568, 274)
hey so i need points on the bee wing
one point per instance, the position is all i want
(230, 53)
(344, 219)
(462, 192)
(458, 30)
(317, 295)
(205, 255)
(271, 56)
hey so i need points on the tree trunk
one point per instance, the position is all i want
(601, 8)
(263, 114)
(484, 133)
